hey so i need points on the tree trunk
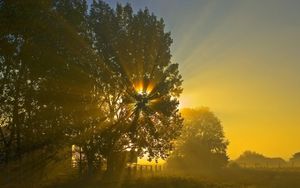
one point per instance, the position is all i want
(110, 162)
(80, 162)
(90, 163)
(115, 165)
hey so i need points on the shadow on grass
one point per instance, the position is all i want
(144, 182)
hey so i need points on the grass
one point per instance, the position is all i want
(147, 182)
(227, 178)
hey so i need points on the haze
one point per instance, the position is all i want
(241, 59)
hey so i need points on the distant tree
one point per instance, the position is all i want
(254, 159)
(202, 146)
(296, 156)
(295, 159)
(251, 158)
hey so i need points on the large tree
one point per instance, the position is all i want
(142, 86)
(48, 74)
(102, 80)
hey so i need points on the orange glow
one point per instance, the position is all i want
(140, 87)
(149, 88)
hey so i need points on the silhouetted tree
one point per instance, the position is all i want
(102, 81)
(254, 159)
(18, 84)
(48, 74)
(202, 146)
(295, 159)
(142, 86)
(251, 159)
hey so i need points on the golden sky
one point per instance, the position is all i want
(242, 60)
(246, 68)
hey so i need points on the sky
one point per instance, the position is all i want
(242, 60)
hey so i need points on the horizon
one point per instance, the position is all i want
(150, 93)
(240, 60)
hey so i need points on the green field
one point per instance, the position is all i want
(227, 178)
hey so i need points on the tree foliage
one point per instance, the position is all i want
(202, 145)
(254, 159)
(100, 78)
(295, 159)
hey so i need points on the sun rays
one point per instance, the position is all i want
(143, 88)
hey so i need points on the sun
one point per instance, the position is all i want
(142, 88)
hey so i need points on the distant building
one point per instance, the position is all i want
(251, 159)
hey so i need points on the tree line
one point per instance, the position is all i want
(251, 159)
(97, 77)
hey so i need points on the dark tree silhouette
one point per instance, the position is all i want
(295, 159)
(254, 159)
(48, 79)
(101, 80)
(296, 156)
(142, 86)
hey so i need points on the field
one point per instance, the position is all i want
(227, 178)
